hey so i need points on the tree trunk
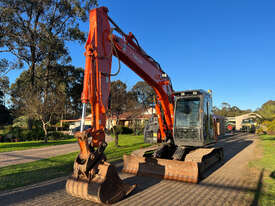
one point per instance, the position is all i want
(30, 123)
(45, 132)
(116, 139)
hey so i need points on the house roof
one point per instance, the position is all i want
(135, 114)
(130, 115)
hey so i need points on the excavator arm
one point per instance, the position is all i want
(100, 47)
(93, 178)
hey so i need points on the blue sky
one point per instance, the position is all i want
(224, 45)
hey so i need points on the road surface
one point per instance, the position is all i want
(30, 155)
(230, 183)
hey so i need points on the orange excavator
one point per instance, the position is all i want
(186, 126)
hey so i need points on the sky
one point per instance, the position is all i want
(227, 46)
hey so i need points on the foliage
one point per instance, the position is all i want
(29, 173)
(123, 130)
(21, 121)
(5, 116)
(51, 100)
(228, 111)
(73, 79)
(143, 93)
(118, 97)
(267, 127)
(35, 31)
(40, 102)
(267, 110)
(4, 89)
(56, 135)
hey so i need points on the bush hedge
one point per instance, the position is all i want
(267, 127)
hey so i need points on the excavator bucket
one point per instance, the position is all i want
(190, 170)
(104, 187)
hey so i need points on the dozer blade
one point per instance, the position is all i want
(195, 163)
(161, 168)
(104, 187)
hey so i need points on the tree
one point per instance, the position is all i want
(131, 101)
(5, 116)
(35, 31)
(267, 110)
(228, 111)
(118, 97)
(4, 89)
(144, 94)
(73, 80)
(45, 101)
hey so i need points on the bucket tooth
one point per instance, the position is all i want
(104, 187)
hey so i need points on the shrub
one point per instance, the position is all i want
(58, 136)
(260, 131)
(271, 128)
(122, 130)
(35, 134)
(126, 130)
(267, 127)
(55, 135)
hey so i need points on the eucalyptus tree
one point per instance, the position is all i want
(36, 31)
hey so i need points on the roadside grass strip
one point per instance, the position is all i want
(33, 172)
(267, 162)
(16, 146)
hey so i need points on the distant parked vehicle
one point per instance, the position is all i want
(230, 126)
(77, 129)
(249, 125)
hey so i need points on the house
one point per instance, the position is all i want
(239, 119)
(132, 119)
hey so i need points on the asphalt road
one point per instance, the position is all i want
(229, 183)
(30, 155)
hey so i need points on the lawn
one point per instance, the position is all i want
(267, 162)
(33, 172)
(14, 146)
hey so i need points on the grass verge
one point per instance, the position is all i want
(267, 163)
(41, 170)
(15, 146)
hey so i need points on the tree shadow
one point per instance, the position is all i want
(272, 174)
(232, 146)
(269, 139)
(258, 189)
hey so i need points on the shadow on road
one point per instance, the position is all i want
(32, 192)
(232, 145)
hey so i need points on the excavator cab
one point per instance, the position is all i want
(193, 125)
